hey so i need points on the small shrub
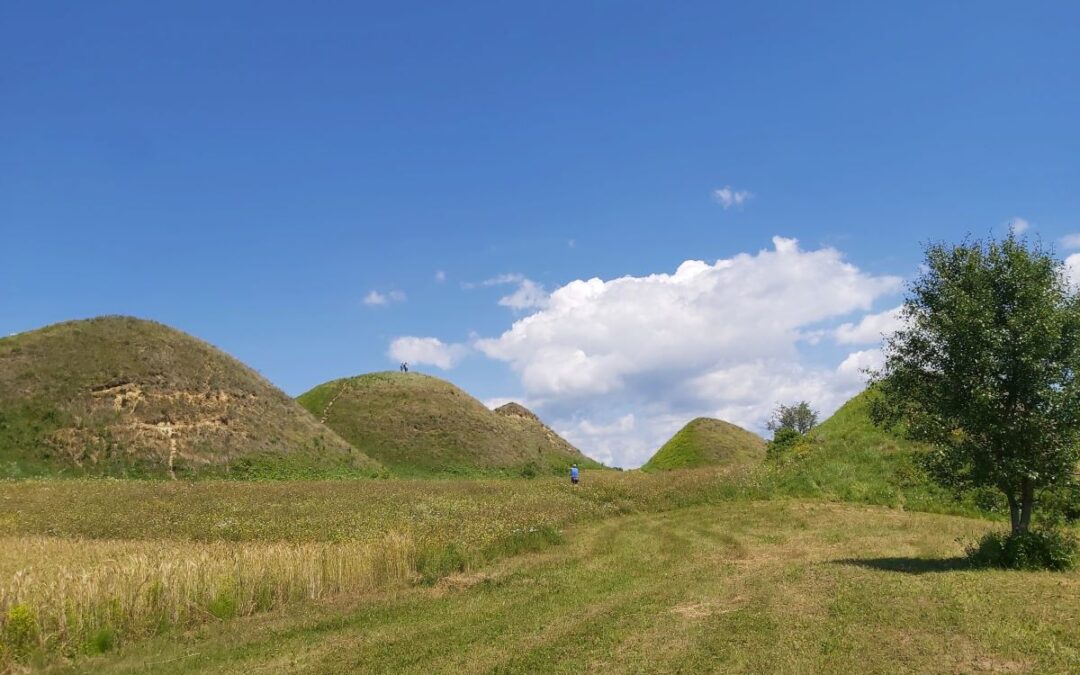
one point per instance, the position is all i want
(19, 635)
(223, 606)
(783, 441)
(440, 562)
(102, 641)
(1034, 550)
(530, 470)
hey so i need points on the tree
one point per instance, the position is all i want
(799, 417)
(985, 368)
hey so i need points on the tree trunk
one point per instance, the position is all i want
(1014, 512)
(1027, 504)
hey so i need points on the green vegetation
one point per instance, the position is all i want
(798, 417)
(285, 570)
(708, 442)
(477, 513)
(784, 440)
(132, 559)
(728, 566)
(986, 368)
(419, 425)
(848, 458)
(750, 587)
(125, 397)
(1047, 549)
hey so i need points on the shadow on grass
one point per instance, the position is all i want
(909, 565)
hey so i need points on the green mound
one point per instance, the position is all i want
(123, 396)
(708, 442)
(418, 424)
(848, 458)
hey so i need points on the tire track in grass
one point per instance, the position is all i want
(528, 609)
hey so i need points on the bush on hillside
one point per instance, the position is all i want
(784, 440)
(1046, 549)
(530, 470)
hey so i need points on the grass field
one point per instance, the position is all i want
(780, 586)
(104, 566)
(90, 564)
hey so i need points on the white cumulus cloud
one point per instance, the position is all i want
(719, 339)
(870, 329)
(1072, 269)
(594, 336)
(857, 363)
(728, 196)
(427, 351)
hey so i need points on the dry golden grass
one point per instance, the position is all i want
(83, 594)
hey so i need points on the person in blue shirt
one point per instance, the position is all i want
(574, 474)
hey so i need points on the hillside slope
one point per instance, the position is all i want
(708, 442)
(848, 458)
(123, 396)
(416, 423)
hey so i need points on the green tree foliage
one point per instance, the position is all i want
(798, 416)
(985, 368)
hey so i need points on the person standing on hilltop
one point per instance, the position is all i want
(574, 474)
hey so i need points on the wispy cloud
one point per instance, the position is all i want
(500, 280)
(377, 299)
(1070, 241)
(529, 295)
(440, 276)
(728, 196)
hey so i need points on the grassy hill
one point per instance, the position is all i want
(123, 396)
(847, 458)
(417, 424)
(708, 442)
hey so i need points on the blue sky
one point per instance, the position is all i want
(251, 172)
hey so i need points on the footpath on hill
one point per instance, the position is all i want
(783, 586)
